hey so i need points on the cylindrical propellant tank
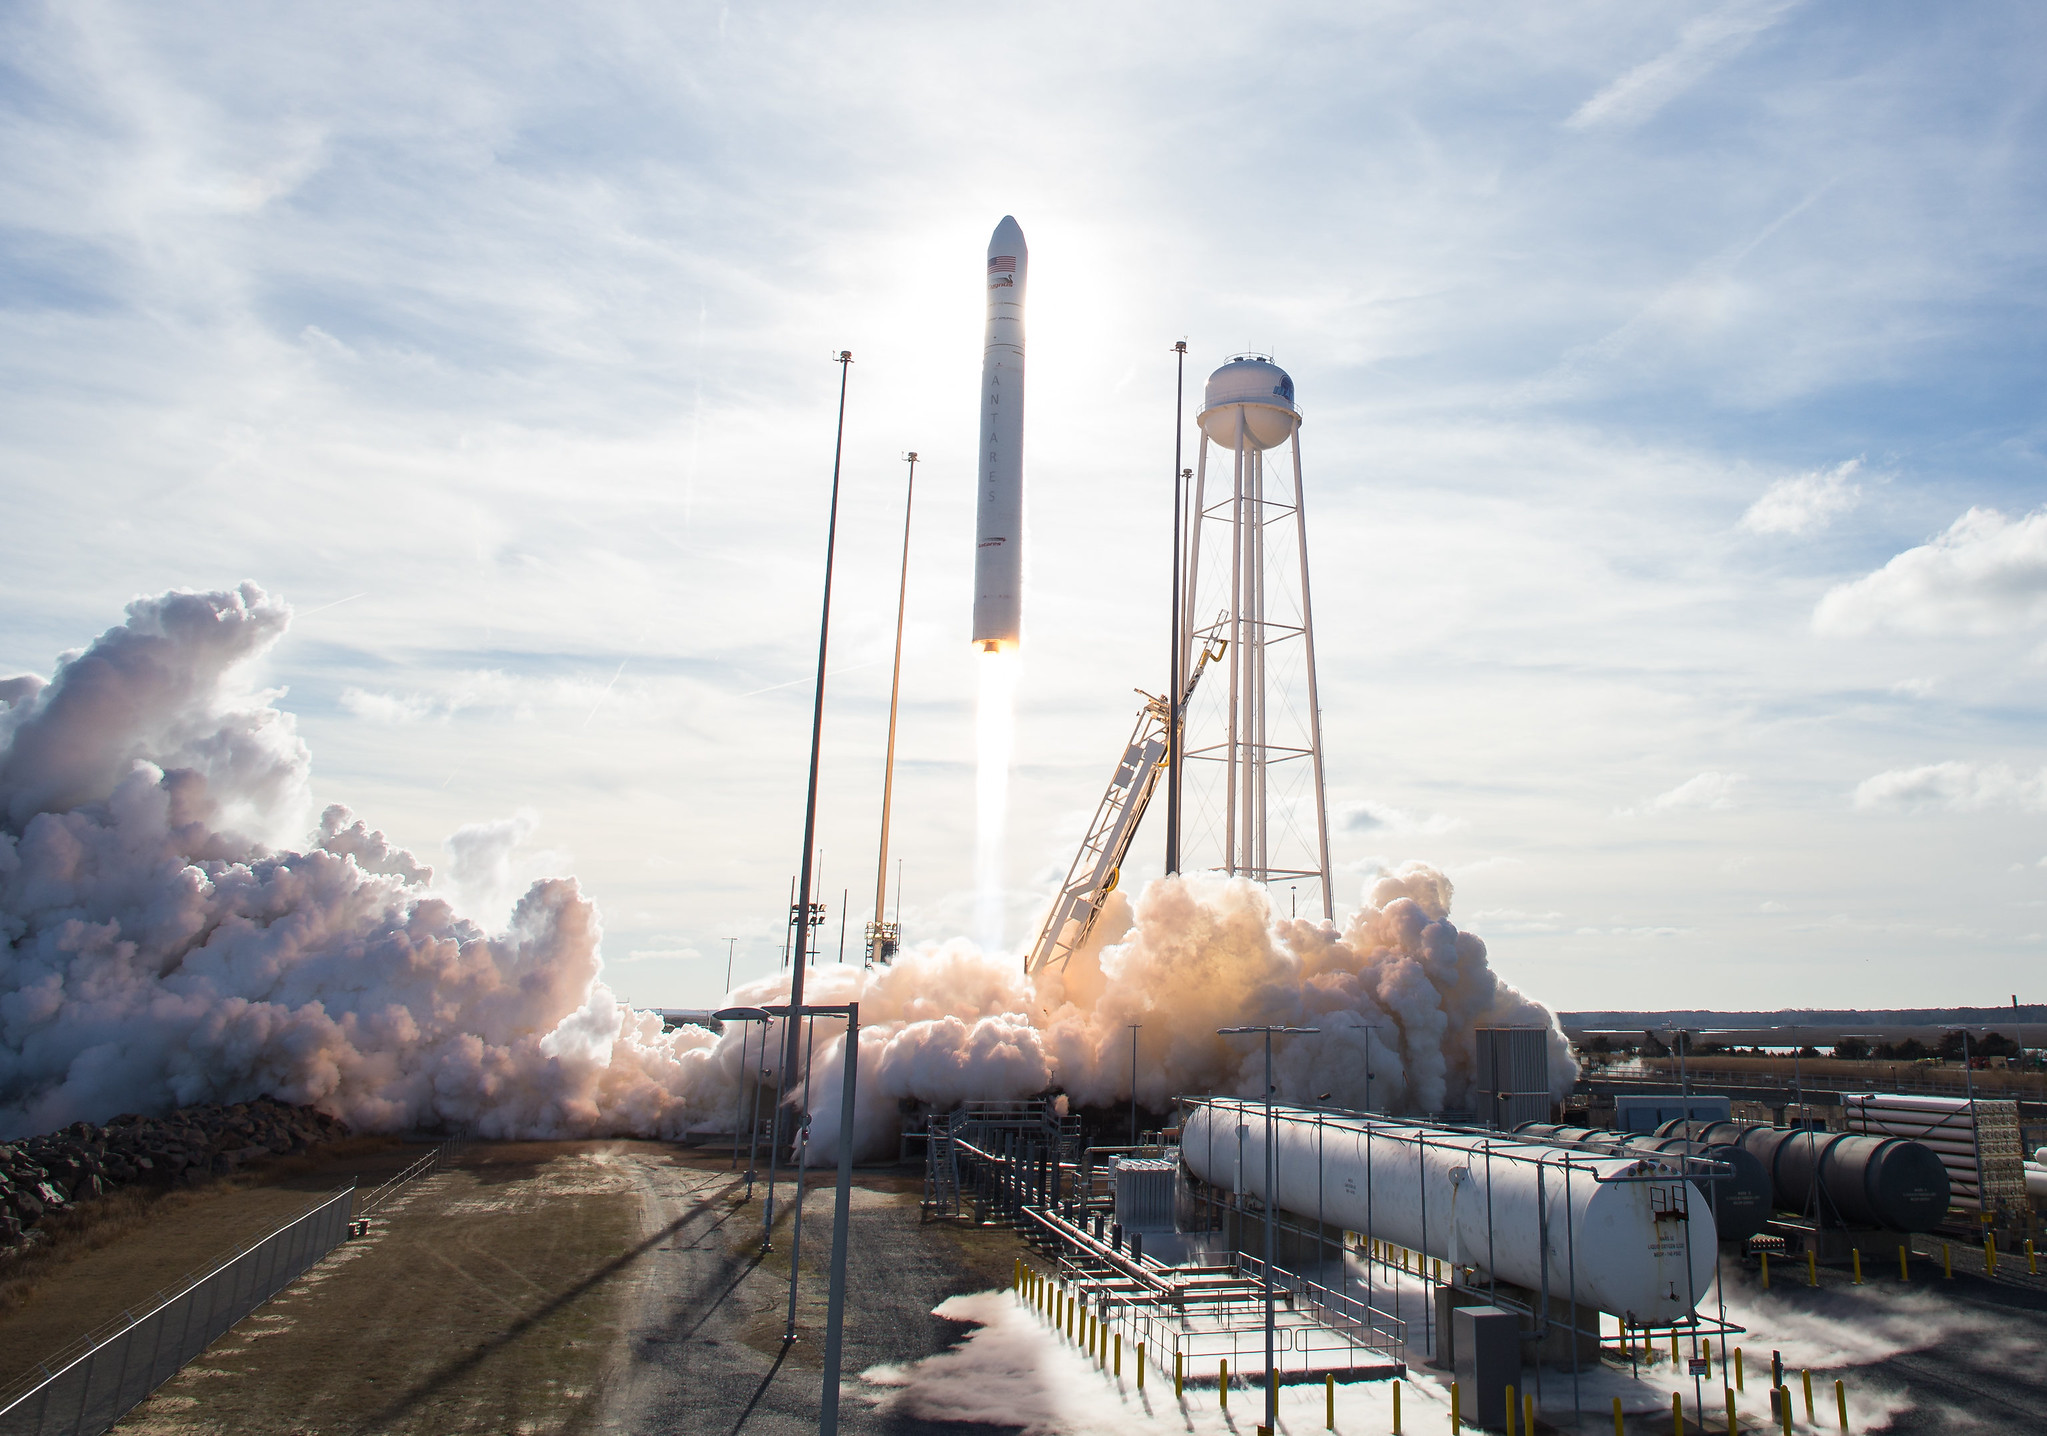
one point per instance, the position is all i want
(1842, 1177)
(1624, 1235)
(1741, 1200)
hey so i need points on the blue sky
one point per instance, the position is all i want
(1672, 378)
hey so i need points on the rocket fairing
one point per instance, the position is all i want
(998, 518)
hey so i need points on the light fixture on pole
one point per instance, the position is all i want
(1268, 1194)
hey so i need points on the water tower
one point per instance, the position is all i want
(1251, 756)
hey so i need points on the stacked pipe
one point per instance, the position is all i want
(1977, 1139)
(1841, 1178)
(1740, 1197)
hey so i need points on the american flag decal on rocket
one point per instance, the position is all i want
(1002, 264)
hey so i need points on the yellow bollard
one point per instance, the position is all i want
(2032, 1261)
(1176, 1376)
(1812, 1269)
(1456, 1394)
(1677, 1413)
(1841, 1402)
(1119, 1354)
(1223, 1384)
(1617, 1417)
(1510, 1411)
(1904, 1271)
(1731, 1427)
(1784, 1408)
(1528, 1413)
(1766, 1269)
(1329, 1402)
(1140, 1366)
(1673, 1346)
(1737, 1369)
(1016, 1278)
(1396, 1406)
(1709, 1368)
(1947, 1261)
(1808, 1396)
(1855, 1254)
(1990, 1254)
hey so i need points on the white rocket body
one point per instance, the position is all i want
(998, 515)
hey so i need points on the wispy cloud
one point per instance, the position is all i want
(1706, 791)
(1368, 816)
(1806, 503)
(1702, 46)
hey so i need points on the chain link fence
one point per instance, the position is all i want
(90, 1385)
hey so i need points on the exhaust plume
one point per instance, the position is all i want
(168, 944)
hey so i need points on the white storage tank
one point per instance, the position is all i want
(1625, 1235)
(1256, 391)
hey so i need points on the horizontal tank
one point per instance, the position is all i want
(1254, 393)
(1740, 1197)
(1839, 1177)
(1624, 1235)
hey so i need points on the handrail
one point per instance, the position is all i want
(71, 1351)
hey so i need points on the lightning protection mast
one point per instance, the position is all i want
(1253, 803)
(883, 936)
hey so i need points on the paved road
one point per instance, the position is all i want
(706, 1353)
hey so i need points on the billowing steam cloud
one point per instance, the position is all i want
(160, 950)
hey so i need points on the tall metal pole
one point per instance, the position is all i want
(1133, 1081)
(883, 945)
(802, 1161)
(824, 630)
(1269, 1198)
(1175, 680)
(835, 1305)
(1271, 1206)
(731, 950)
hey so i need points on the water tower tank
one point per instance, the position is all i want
(1266, 393)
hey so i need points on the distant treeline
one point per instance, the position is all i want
(1808, 1017)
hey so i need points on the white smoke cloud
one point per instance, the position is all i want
(156, 955)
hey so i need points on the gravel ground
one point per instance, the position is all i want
(707, 1353)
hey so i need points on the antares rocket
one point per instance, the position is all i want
(998, 525)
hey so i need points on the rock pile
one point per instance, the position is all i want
(51, 1172)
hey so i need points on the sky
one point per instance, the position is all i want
(1672, 444)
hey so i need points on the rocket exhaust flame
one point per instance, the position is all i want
(994, 733)
(152, 954)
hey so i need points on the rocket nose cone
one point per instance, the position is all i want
(1007, 239)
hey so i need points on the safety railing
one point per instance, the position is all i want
(91, 1384)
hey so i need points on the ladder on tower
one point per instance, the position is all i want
(1098, 866)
